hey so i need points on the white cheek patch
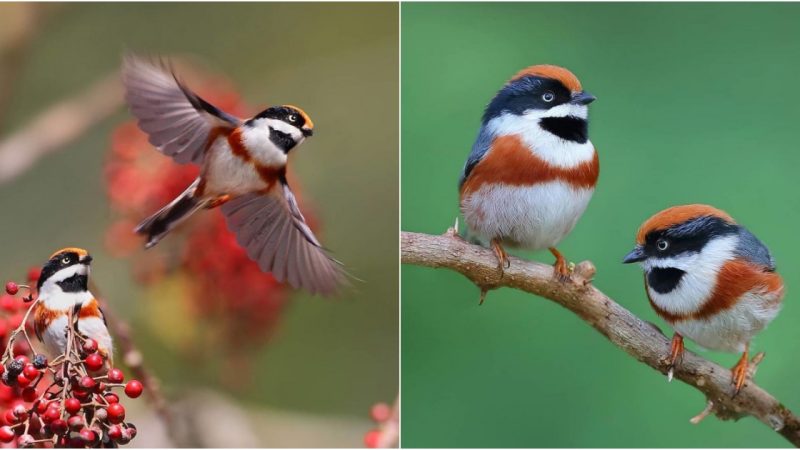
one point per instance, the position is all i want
(256, 139)
(545, 145)
(565, 110)
(284, 127)
(698, 283)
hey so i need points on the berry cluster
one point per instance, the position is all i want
(233, 302)
(68, 401)
(386, 435)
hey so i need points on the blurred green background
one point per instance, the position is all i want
(340, 62)
(696, 103)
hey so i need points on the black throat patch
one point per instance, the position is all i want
(664, 280)
(282, 140)
(75, 283)
(569, 128)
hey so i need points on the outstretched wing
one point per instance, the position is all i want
(176, 119)
(275, 234)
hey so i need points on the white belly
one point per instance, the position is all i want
(229, 174)
(731, 330)
(534, 217)
(54, 337)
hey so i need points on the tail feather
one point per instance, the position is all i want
(159, 224)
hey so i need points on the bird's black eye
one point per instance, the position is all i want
(65, 260)
(548, 96)
(293, 118)
(662, 244)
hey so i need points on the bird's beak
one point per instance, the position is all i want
(636, 255)
(87, 260)
(582, 98)
(307, 132)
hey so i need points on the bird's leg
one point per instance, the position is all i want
(502, 256)
(739, 371)
(219, 201)
(561, 265)
(675, 353)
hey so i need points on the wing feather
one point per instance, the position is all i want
(275, 234)
(177, 121)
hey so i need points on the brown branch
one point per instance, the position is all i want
(59, 125)
(638, 338)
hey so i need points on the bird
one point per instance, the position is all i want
(63, 293)
(243, 171)
(532, 169)
(710, 279)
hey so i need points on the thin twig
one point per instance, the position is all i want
(638, 338)
(59, 125)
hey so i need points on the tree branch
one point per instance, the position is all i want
(59, 125)
(640, 339)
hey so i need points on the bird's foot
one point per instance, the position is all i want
(563, 268)
(219, 201)
(502, 257)
(739, 373)
(675, 355)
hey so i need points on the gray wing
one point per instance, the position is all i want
(479, 149)
(176, 119)
(275, 234)
(752, 249)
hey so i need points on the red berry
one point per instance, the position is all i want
(372, 439)
(22, 358)
(88, 435)
(29, 394)
(94, 361)
(23, 381)
(58, 426)
(115, 376)
(114, 432)
(8, 303)
(34, 273)
(12, 288)
(90, 346)
(112, 398)
(116, 413)
(6, 434)
(30, 372)
(75, 423)
(52, 414)
(133, 389)
(20, 412)
(25, 441)
(10, 417)
(88, 383)
(380, 412)
(101, 414)
(72, 405)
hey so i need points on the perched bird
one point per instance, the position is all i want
(63, 289)
(532, 169)
(243, 170)
(708, 277)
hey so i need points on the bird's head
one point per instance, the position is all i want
(288, 125)
(545, 96)
(689, 238)
(67, 270)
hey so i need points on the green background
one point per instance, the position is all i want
(340, 62)
(696, 103)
